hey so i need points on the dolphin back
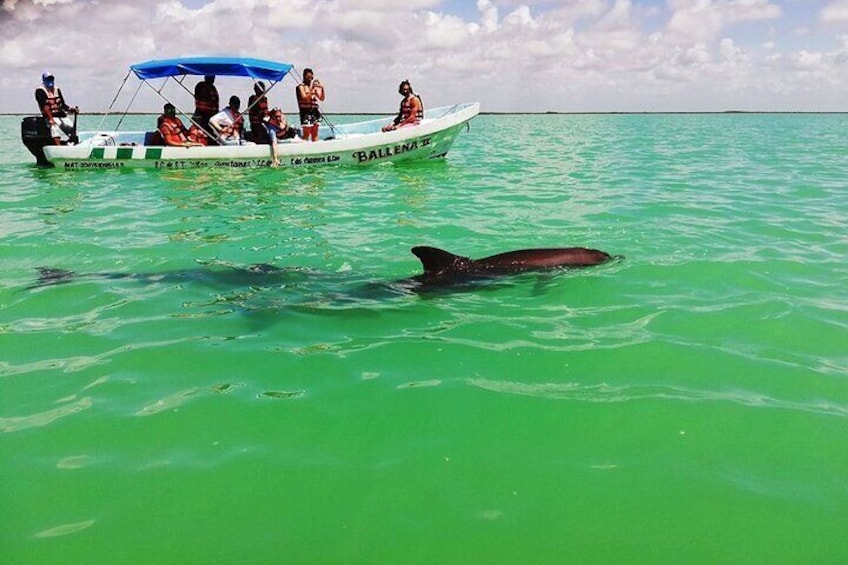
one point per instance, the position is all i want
(550, 258)
(49, 275)
(437, 261)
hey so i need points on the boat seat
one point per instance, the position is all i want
(153, 138)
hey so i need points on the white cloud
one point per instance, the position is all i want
(705, 19)
(489, 15)
(441, 31)
(581, 55)
(521, 17)
(835, 13)
(730, 52)
(618, 18)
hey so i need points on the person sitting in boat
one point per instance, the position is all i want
(198, 135)
(55, 110)
(257, 112)
(309, 94)
(205, 101)
(172, 130)
(228, 125)
(277, 128)
(411, 109)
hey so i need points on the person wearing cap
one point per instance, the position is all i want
(205, 101)
(257, 111)
(228, 124)
(172, 130)
(54, 109)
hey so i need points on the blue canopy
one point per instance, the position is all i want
(218, 66)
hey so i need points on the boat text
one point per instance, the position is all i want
(93, 164)
(390, 151)
(197, 163)
(321, 159)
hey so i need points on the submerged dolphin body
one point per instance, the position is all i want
(228, 276)
(442, 268)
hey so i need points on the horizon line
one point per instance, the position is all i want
(507, 113)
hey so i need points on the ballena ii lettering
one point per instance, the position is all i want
(390, 151)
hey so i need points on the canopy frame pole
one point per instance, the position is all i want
(212, 134)
(137, 90)
(184, 87)
(209, 131)
(264, 95)
(115, 99)
(165, 98)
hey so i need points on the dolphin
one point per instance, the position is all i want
(442, 268)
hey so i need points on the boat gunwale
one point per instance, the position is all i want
(451, 117)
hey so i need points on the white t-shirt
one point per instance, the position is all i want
(224, 119)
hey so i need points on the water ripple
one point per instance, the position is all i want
(604, 393)
(18, 423)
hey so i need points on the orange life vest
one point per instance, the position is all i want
(172, 130)
(205, 99)
(307, 101)
(197, 135)
(406, 108)
(258, 110)
(238, 123)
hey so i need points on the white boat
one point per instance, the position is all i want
(357, 143)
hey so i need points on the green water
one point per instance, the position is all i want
(687, 404)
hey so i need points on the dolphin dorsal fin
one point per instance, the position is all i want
(435, 260)
(49, 275)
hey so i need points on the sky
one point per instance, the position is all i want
(510, 55)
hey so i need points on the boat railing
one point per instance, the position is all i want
(111, 138)
(437, 113)
(102, 138)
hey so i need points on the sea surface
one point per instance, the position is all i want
(684, 403)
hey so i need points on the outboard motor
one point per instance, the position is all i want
(36, 135)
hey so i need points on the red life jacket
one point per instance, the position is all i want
(308, 101)
(205, 99)
(238, 123)
(171, 128)
(406, 109)
(197, 135)
(258, 110)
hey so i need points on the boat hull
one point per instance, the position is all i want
(360, 143)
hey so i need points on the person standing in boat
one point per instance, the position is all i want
(205, 101)
(228, 124)
(172, 130)
(54, 109)
(309, 94)
(411, 108)
(257, 111)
